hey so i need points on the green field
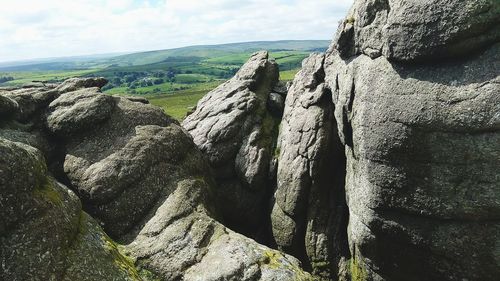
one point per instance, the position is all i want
(177, 104)
(172, 79)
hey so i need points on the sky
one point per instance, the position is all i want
(58, 28)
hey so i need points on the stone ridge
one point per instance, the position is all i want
(130, 172)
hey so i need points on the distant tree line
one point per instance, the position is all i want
(146, 78)
(4, 79)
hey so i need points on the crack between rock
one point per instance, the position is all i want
(73, 241)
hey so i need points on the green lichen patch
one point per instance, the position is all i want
(94, 256)
(358, 273)
(274, 260)
(48, 193)
(123, 260)
(147, 275)
(277, 152)
(120, 259)
(271, 259)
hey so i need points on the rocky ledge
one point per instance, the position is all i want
(379, 162)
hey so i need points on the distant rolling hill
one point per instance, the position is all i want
(174, 79)
(57, 63)
(150, 57)
(211, 51)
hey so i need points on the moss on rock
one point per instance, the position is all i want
(358, 273)
(275, 260)
(48, 193)
(94, 256)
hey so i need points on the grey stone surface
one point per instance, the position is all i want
(126, 151)
(34, 138)
(73, 84)
(232, 126)
(309, 209)
(419, 30)
(183, 242)
(422, 145)
(8, 107)
(79, 110)
(150, 164)
(40, 225)
(32, 100)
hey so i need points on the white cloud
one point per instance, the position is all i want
(50, 28)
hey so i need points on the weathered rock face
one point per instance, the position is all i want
(73, 84)
(127, 153)
(385, 167)
(8, 107)
(44, 233)
(309, 214)
(137, 172)
(233, 127)
(422, 140)
(79, 110)
(183, 242)
(149, 164)
(33, 100)
(419, 30)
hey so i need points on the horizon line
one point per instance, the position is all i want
(123, 53)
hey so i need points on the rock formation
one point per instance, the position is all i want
(378, 162)
(419, 31)
(136, 172)
(411, 91)
(417, 101)
(234, 127)
(309, 211)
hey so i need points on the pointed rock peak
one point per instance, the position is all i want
(258, 66)
(260, 55)
(312, 73)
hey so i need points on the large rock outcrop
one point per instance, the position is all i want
(422, 140)
(126, 154)
(234, 128)
(8, 107)
(151, 187)
(309, 214)
(384, 167)
(32, 100)
(136, 172)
